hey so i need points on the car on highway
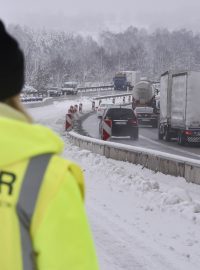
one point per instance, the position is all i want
(54, 92)
(124, 122)
(147, 116)
(102, 107)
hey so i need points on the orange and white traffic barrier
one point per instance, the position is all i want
(106, 129)
(71, 109)
(68, 122)
(75, 108)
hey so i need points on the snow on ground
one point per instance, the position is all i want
(140, 219)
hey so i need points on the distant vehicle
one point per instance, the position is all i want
(102, 107)
(147, 116)
(124, 122)
(143, 94)
(179, 107)
(53, 92)
(125, 80)
(70, 88)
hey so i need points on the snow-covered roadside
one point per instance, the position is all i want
(147, 218)
(140, 220)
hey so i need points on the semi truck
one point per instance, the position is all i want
(179, 107)
(125, 80)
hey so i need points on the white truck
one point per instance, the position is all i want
(144, 103)
(143, 93)
(70, 88)
(179, 107)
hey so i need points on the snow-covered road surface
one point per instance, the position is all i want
(140, 220)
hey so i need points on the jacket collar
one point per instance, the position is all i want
(9, 112)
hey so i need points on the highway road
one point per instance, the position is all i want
(147, 138)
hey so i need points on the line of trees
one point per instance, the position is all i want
(53, 57)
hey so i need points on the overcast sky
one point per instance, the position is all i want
(93, 16)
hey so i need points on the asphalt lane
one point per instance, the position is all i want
(148, 138)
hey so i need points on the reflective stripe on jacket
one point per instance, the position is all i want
(42, 218)
(26, 205)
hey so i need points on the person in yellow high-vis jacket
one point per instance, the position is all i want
(43, 224)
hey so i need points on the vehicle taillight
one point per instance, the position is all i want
(188, 132)
(132, 121)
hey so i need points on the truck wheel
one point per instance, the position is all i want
(166, 135)
(181, 139)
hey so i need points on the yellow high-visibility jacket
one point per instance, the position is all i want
(43, 224)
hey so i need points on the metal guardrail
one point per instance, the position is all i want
(46, 101)
(92, 88)
(113, 96)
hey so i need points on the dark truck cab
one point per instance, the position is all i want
(120, 82)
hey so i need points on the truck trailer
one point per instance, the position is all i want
(143, 93)
(179, 107)
(144, 103)
(126, 80)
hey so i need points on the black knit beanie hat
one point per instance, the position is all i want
(11, 65)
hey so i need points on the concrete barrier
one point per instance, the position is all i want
(154, 160)
(192, 173)
(46, 101)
